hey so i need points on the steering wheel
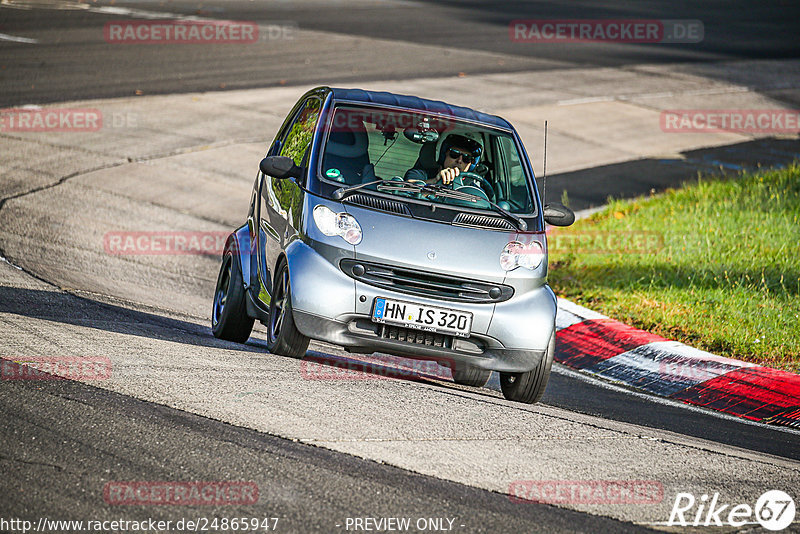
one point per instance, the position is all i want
(486, 185)
(475, 176)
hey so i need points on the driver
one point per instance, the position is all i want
(457, 154)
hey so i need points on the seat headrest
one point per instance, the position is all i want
(351, 142)
(427, 157)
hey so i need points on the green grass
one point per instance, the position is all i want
(717, 265)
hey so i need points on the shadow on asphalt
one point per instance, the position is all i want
(67, 440)
(562, 391)
(82, 311)
(589, 188)
(595, 398)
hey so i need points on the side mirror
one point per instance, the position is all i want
(280, 167)
(558, 215)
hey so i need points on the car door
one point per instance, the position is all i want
(281, 199)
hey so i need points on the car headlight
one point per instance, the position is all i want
(342, 224)
(515, 254)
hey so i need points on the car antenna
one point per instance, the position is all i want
(544, 166)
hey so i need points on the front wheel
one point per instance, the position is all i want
(229, 319)
(282, 335)
(529, 387)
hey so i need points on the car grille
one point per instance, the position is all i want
(419, 337)
(483, 221)
(377, 203)
(426, 284)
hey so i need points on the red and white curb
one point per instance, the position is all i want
(595, 344)
(601, 347)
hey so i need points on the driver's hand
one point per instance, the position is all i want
(448, 175)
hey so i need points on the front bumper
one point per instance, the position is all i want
(328, 305)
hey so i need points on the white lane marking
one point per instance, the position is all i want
(4, 260)
(103, 10)
(566, 371)
(586, 100)
(15, 39)
(143, 14)
(665, 94)
(43, 4)
(588, 212)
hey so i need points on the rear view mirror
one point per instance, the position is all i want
(558, 215)
(415, 135)
(280, 167)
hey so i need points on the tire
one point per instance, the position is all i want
(529, 387)
(469, 375)
(229, 319)
(282, 335)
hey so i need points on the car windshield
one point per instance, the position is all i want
(403, 153)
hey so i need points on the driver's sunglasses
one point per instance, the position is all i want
(465, 157)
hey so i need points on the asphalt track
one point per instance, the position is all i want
(356, 41)
(185, 406)
(102, 436)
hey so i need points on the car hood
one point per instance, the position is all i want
(430, 246)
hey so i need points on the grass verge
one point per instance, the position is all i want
(715, 265)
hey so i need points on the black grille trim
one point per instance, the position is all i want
(483, 221)
(377, 203)
(418, 337)
(426, 284)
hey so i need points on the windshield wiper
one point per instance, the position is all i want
(446, 192)
(427, 189)
(521, 224)
(386, 185)
(344, 192)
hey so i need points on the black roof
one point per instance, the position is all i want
(413, 102)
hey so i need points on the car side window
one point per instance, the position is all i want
(300, 132)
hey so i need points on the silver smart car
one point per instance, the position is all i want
(394, 224)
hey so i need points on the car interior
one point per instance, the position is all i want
(361, 150)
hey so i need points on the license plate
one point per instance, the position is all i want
(422, 317)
